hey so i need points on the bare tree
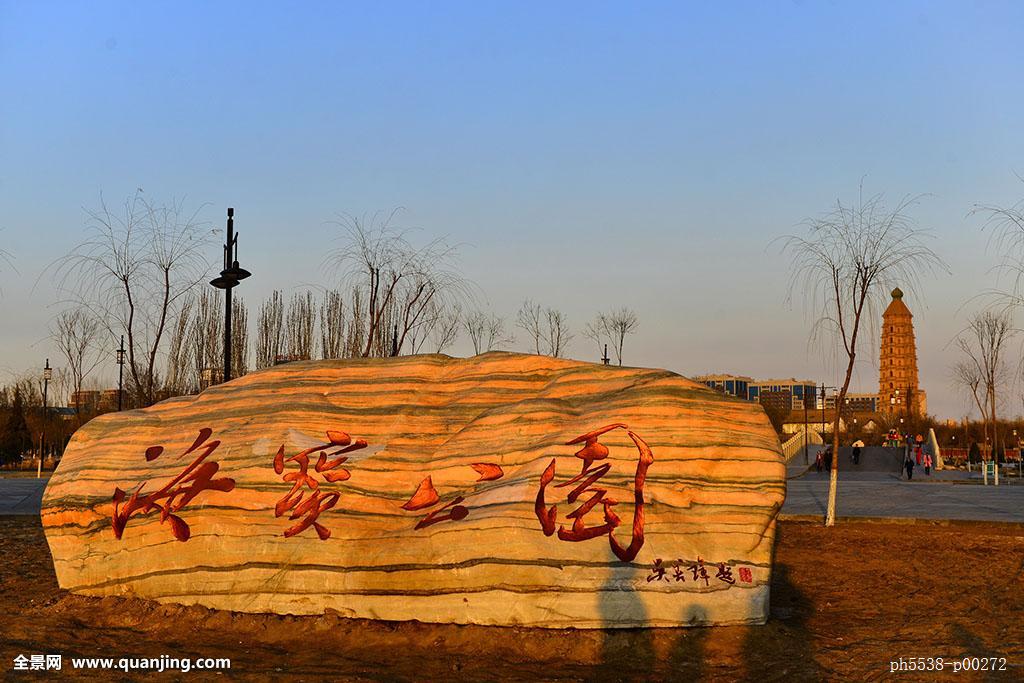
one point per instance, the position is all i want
(77, 334)
(612, 326)
(420, 333)
(621, 322)
(844, 266)
(357, 324)
(180, 354)
(596, 330)
(558, 334)
(486, 332)
(1007, 240)
(270, 330)
(547, 328)
(530, 319)
(446, 329)
(300, 326)
(968, 375)
(332, 325)
(239, 337)
(206, 338)
(984, 369)
(398, 284)
(133, 271)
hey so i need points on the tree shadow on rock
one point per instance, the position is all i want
(627, 654)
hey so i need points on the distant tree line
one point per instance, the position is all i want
(23, 421)
(141, 273)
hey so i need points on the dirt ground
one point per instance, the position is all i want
(845, 602)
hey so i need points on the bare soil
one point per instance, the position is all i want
(845, 602)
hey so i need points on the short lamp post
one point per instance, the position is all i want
(228, 280)
(47, 376)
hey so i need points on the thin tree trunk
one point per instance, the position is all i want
(833, 477)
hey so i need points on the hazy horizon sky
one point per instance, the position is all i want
(587, 155)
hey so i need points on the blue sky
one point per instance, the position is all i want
(587, 155)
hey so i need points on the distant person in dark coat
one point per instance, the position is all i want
(908, 463)
(857, 445)
(974, 453)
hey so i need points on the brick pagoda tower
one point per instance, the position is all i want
(898, 390)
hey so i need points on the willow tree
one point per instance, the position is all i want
(844, 265)
(137, 266)
(395, 285)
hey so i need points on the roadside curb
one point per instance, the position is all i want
(908, 521)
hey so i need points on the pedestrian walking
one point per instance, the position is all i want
(819, 461)
(928, 464)
(908, 463)
(857, 445)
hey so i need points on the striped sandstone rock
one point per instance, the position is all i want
(501, 489)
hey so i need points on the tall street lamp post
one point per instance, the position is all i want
(823, 388)
(823, 411)
(120, 373)
(806, 456)
(47, 375)
(228, 280)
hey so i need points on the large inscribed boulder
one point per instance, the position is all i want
(501, 489)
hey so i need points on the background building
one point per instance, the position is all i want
(791, 392)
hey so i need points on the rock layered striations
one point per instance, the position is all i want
(502, 489)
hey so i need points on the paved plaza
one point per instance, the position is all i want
(878, 494)
(877, 490)
(21, 496)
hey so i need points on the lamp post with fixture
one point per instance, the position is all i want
(47, 376)
(120, 374)
(229, 278)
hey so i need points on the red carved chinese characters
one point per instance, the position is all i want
(586, 481)
(175, 494)
(426, 496)
(314, 502)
